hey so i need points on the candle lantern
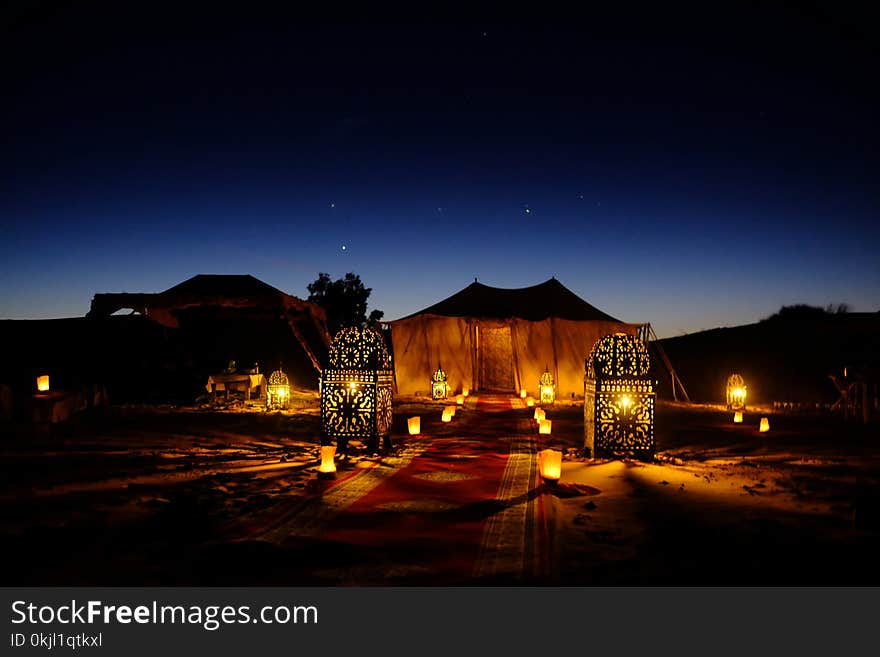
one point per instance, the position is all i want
(465, 391)
(43, 383)
(619, 399)
(327, 469)
(530, 402)
(277, 391)
(448, 413)
(414, 424)
(738, 417)
(523, 394)
(545, 426)
(765, 425)
(356, 394)
(459, 399)
(550, 465)
(547, 387)
(539, 414)
(439, 384)
(736, 393)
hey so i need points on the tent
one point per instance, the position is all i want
(489, 338)
(218, 318)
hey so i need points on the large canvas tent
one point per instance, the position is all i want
(489, 338)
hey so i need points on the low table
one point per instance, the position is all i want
(246, 382)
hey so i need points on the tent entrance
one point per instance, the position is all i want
(495, 353)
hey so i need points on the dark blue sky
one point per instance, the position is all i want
(691, 169)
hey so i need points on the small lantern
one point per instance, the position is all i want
(277, 391)
(547, 387)
(530, 402)
(459, 399)
(43, 383)
(523, 394)
(550, 465)
(448, 413)
(414, 424)
(439, 384)
(765, 425)
(545, 427)
(539, 414)
(736, 393)
(465, 391)
(738, 417)
(327, 469)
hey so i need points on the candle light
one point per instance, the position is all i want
(544, 426)
(414, 424)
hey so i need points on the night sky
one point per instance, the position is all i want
(691, 169)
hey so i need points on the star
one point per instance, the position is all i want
(344, 247)
(332, 205)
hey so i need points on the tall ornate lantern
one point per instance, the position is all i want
(356, 389)
(277, 391)
(439, 384)
(547, 387)
(736, 393)
(619, 399)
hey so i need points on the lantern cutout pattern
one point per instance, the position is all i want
(356, 394)
(414, 425)
(547, 387)
(765, 425)
(619, 399)
(278, 391)
(43, 383)
(439, 384)
(736, 393)
(550, 465)
(327, 469)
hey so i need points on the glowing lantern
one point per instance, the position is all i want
(459, 399)
(356, 394)
(439, 384)
(736, 393)
(414, 424)
(738, 417)
(530, 402)
(545, 426)
(619, 399)
(765, 425)
(523, 394)
(43, 383)
(277, 391)
(550, 465)
(547, 387)
(465, 391)
(539, 414)
(327, 469)
(448, 412)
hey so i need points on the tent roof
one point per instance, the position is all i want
(538, 302)
(227, 285)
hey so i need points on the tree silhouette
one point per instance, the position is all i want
(344, 300)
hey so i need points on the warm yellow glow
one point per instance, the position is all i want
(523, 394)
(43, 383)
(459, 399)
(550, 464)
(465, 391)
(545, 426)
(539, 414)
(327, 463)
(414, 424)
(625, 401)
(765, 425)
(530, 402)
(548, 394)
(738, 417)
(352, 385)
(448, 412)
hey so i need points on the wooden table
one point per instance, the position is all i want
(247, 382)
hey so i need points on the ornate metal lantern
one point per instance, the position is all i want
(547, 387)
(356, 389)
(277, 391)
(439, 384)
(619, 399)
(736, 393)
